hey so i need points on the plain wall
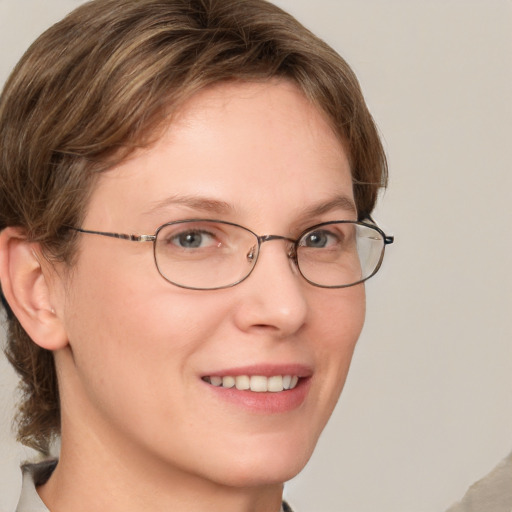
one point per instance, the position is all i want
(427, 408)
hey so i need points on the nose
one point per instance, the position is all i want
(273, 298)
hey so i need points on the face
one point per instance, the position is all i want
(141, 350)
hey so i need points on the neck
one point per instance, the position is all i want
(95, 476)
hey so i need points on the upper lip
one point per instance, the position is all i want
(265, 370)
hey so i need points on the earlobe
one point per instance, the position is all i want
(25, 285)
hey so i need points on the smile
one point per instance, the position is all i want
(255, 383)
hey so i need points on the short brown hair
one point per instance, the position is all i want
(99, 83)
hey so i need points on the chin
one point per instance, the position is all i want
(266, 464)
(274, 473)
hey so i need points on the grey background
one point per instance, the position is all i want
(427, 407)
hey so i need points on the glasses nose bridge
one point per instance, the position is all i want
(268, 238)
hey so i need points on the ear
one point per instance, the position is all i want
(25, 284)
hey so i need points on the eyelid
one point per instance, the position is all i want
(310, 223)
(316, 225)
(192, 224)
(178, 229)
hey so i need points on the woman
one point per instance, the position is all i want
(186, 191)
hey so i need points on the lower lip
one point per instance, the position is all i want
(266, 403)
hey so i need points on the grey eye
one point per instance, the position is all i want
(316, 239)
(192, 239)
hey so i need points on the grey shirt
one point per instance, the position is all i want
(34, 475)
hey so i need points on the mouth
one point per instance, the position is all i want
(261, 388)
(255, 383)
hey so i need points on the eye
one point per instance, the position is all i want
(319, 239)
(193, 239)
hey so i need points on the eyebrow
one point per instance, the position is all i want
(339, 202)
(217, 206)
(205, 204)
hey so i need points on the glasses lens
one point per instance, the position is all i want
(338, 254)
(205, 255)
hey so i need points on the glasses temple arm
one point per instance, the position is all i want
(122, 236)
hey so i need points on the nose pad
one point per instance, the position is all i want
(251, 255)
(292, 255)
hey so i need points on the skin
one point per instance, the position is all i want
(137, 420)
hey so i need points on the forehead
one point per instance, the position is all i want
(242, 111)
(248, 145)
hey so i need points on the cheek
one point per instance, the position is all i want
(131, 339)
(119, 296)
(339, 325)
(341, 319)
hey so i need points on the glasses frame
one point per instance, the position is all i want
(292, 254)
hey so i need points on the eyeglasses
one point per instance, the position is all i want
(211, 254)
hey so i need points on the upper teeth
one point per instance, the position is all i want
(257, 383)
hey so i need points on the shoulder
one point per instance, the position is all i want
(492, 493)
